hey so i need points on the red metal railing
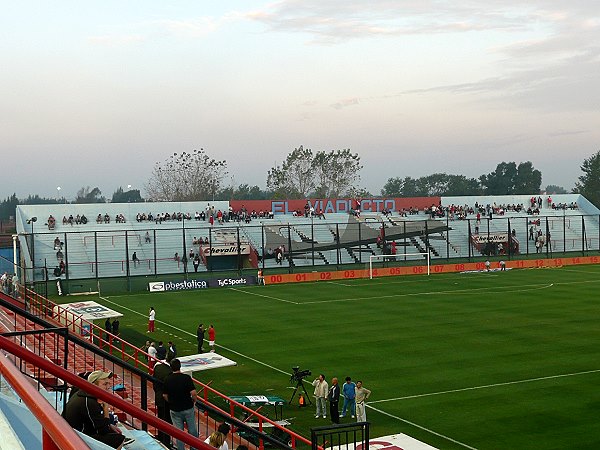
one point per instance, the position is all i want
(56, 434)
(128, 351)
(61, 428)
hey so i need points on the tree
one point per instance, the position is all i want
(509, 179)
(528, 179)
(186, 177)
(337, 173)
(85, 195)
(402, 187)
(589, 183)
(8, 207)
(324, 174)
(130, 196)
(554, 189)
(294, 179)
(437, 184)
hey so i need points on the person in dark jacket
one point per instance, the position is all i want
(85, 413)
(171, 351)
(161, 351)
(161, 371)
(200, 338)
(334, 399)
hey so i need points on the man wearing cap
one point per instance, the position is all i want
(87, 414)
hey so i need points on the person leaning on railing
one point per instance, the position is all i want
(87, 414)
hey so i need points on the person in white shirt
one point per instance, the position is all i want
(151, 317)
(151, 356)
(321, 391)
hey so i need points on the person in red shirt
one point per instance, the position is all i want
(211, 338)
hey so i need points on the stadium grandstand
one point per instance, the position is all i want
(79, 248)
(84, 244)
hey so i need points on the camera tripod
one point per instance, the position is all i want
(300, 384)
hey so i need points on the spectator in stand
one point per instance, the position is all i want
(216, 440)
(15, 286)
(196, 262)
(89, 415)
(135, 260)
(147, 239)
(57, 244)
(180, 392)
(62, 267)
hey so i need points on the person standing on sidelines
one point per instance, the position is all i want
(171, 351)
(162, 370)
(361, 395)
(349, 390)
(151, 317)
(334, 400)
(200, 338)
(321, 390)
(180, 392)
(211, 338)
(151, 356)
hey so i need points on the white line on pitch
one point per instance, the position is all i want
(192, 334)
(421, 428)
(265, 296)
(493, 289)
(487, 386)
(341, 284)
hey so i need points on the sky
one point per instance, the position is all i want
(95, 93)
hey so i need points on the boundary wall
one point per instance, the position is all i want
(434, 269)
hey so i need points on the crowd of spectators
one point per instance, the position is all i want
(565, 206)
(9, 284)
(79, 219)
(309, 212)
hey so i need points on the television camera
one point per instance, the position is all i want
(298, 375)
(298, 378)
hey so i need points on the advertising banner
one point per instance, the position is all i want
(492, 237)
(226, 249)
(187, 285)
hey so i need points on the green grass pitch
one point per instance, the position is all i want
(479, 361)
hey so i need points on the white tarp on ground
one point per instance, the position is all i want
(78, 315)
(89, 311)
(204, 361)
(393, 442)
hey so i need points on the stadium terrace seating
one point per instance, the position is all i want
(112, 244)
